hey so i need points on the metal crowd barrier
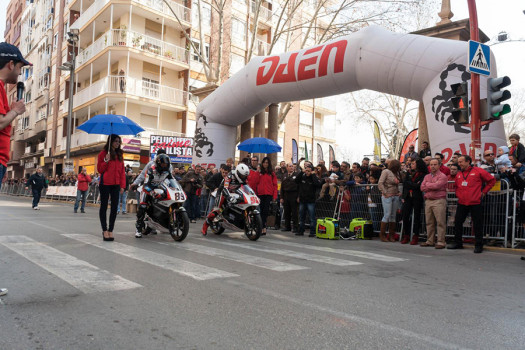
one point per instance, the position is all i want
(503, 208)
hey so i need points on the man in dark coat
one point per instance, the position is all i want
(289, 193)
(37, 181)
(308, 183)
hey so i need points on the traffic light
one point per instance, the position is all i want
(460, 103)
(495, 96)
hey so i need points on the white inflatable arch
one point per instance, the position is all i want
(412, 66)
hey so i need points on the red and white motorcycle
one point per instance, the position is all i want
(166, 212)
(240, 215)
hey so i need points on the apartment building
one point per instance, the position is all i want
(133, 57)
(249, 28)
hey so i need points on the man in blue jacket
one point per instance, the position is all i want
(37, 181)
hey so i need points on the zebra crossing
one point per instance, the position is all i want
(278, 252)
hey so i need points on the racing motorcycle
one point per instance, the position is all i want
(240, 214)
(166, 212)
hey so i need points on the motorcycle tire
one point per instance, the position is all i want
(254, 228)
(181, 225)
(217, 228)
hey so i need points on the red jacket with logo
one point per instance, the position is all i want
(112, 172)
(83, 182)
(267, 185)
(469, 185)
(253, 180)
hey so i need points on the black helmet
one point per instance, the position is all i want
(162, 163)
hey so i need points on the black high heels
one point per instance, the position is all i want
(107, 238)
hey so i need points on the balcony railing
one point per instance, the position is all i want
(82, 139)
(262, 47)
(130, 86)
(145, 136)
(265, 14)
(139, 41)
(182, 12)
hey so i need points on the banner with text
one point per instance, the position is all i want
(179, 149)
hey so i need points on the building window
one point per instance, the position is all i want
(236, 64)
(205, 19)
(195, 56)
(239, 32)
(150, 88)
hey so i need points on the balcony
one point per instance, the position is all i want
(265, 14)
(138, 41)
(182, 12)
(38, 130)
(145, 136)
(262, 48)
(127, 86)
(81, 139)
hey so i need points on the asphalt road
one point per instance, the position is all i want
(70, 290)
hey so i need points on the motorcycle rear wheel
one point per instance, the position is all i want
(180, 225)
(253, 226)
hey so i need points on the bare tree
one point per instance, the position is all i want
(515, 121)
(396, 117)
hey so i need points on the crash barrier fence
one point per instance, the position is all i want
(503, 208)
(62, 193)
(503, 212)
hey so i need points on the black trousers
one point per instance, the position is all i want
(265, 207)
(291, 208)
(107, 191)
(476, 214)
(416, 205)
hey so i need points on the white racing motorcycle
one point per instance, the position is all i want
(166, 213)
(241, 215)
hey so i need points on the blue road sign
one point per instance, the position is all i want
(478, 58)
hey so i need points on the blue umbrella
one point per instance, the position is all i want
(259, 145)
(107, 124)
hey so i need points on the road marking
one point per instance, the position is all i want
(357, 253)
(78, 273)
(294, 254)
(179, 266)
(239, 257)
(372, 324)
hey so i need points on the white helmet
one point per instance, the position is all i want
(241, 173)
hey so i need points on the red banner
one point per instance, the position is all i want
(410, 140)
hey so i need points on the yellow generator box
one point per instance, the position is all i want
(327, 228)
(361, 228)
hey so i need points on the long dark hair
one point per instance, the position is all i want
(117, 154)
(421, 166)
(268, 170)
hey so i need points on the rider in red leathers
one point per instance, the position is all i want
(232, 182)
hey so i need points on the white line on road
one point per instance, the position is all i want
(294, 254)
(239, 257)
(371, 324)
(357, 253)
(78, 273)
(182, 267)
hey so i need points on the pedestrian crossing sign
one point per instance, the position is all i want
(478, 58)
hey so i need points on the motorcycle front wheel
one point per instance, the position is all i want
(253, 226)
(180, 225)
(217, 228)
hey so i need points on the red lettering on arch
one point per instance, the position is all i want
(265, 78)
(302, 73)
(280, 76)
(340, 47)
(492, 147)
(447, 154)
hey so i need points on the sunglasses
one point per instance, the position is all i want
(488, 154)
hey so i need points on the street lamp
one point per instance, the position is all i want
(70, 66)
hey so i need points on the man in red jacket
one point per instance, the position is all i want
(82, 189)
(470, 191)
